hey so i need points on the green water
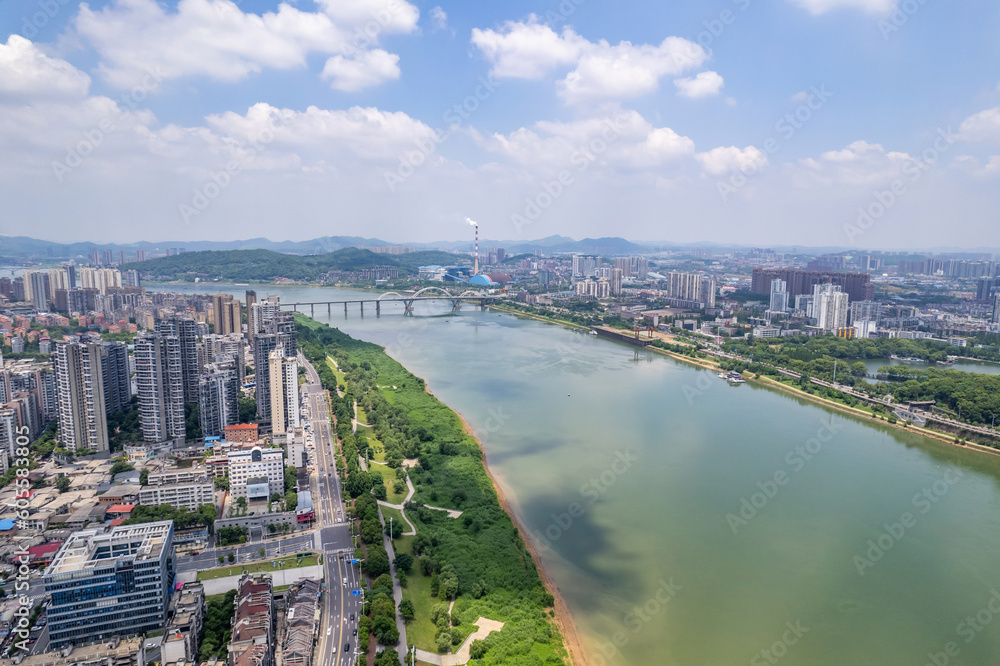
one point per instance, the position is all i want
(624, 465)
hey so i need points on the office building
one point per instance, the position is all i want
(80, 383)
(256, 473)
(284, 389)
(188, 496)
(242, 433)
(830, 307)
(218, 399)
(226, 314)
(160, 385)
(779, 296)
(185, 330)
(117, 381)
(858, 286)
(110, 583)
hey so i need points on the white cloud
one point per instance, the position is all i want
(860, 163)
(724, 159)
(870, 6)
(705, 84)
(601, 71)
(27, 72)
(368, 68)
(528, 50)
(373, 17)
(971, 166)
(983, 126)
(216, 39)
(439, 18)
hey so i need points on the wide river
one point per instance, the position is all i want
(686, 521)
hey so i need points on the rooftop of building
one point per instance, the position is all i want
(117, 651)
(93, 548)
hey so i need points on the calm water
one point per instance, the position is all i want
(624, 467)
(873, 364)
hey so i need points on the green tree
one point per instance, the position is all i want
(231, 557)
(376, 562)
(222, 559)
(406, 610)
(404, 561)
(247, 410)
(63, 483)
(144, 476)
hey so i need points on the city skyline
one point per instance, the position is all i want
(574, 119)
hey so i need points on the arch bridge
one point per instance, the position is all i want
(425, 294)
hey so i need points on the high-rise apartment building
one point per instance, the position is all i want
(79, 376)
(284, 388)
(160, 384)
(185, 330)
(865, 311)
(226, 314)
(101, 279)
(616, 281)
(251, 300)
(219, 348)
(260, 315)
(830, 307)
(695, 289)
(280, 331)
(779, 296)
(117, 382)
(858, 286)
(996, 308)
(633, 267)
(218, 399)
(131, 279)
(111, 583)
(37, 289)
(59, 279)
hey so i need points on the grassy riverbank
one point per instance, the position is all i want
(479, 559)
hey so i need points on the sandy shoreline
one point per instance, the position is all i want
(563, 618)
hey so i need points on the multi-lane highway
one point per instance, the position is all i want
(209, 557)
(341, 607)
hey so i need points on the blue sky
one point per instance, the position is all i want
(130, 119)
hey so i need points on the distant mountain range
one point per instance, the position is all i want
(25, 248)
(19, 249)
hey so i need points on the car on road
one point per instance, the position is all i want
(347, 647)
(352, 617)
(193, 553)
(329, 630)
(355, 631)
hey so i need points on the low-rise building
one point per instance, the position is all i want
(187, 615)
(257, 473)
(188, 496)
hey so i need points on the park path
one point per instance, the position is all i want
(399, 507)
(485, 628)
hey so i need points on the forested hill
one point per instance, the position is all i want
(247, 265)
